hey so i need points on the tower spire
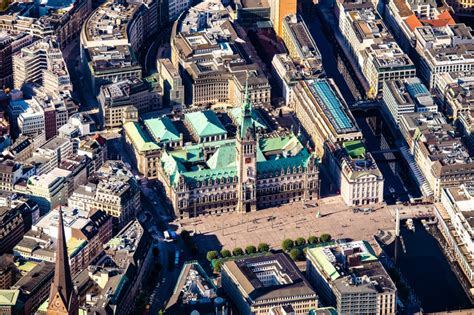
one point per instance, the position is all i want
(247, 105)
(62, 296)
(246, 122)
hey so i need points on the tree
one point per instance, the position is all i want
(250, 249)
(212, 254)
(225, 253)
(325, 237)
(237, 251)
(263, 247)
(312, 239)
(287, 244)
(295, 254)
(161, 312)
(217, 266)
(300, 241)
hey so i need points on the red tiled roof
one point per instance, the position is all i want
(413, 22)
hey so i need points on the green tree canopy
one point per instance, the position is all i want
(325, 237)
(225, 253)
(263, 247)
(312, 239)
(300, 241)
(287, 244)
(212, 254)
(295, 254)
(237, 251)
(250, 249)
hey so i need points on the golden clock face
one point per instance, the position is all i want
(248, 160)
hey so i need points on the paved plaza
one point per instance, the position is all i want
(272, 225)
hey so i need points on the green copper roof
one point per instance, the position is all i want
(236, 114)
(205, 123)
(273, 155)
(223, 157)
(275, 165)
(162, 129)
(140, 139)
(355, 149)
(212, 174)
(8, 297)
(288, 144)
(321, 258)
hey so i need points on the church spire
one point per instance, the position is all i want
(62, 296)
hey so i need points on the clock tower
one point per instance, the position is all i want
(246, 147)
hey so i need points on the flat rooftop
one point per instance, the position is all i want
(332, 106)
(250, 273)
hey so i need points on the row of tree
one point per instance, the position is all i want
(249, 250)
(297, 248)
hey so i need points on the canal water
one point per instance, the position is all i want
(428, 272)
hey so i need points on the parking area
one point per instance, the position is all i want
(272, 225)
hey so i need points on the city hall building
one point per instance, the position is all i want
(214, 173)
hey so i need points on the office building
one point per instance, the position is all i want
(62, 20)
(300, 43)
(110, 38)
(438, 151)
(349, 277)
(15, 221)
(8, 271)
(324, 114)
(48, 191)
(85, 234)
(371, 45)
(407, 96)
(113, 189)
(176, 7)
(259, 284)
(9, 302)
(250, 12)
(279, 9)
(213, 60)
(355, 171)
(403, 17)
(95, 148)
(287, 73)
(145, 95)
(194, 290)
(444, 49)
(10, 173)
(35, 286)
(454, 215)
(10, 44)
(145, 152)
(41, 62)
(171, 84)
(122, 268)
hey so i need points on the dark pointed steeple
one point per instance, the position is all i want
(62, 296)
